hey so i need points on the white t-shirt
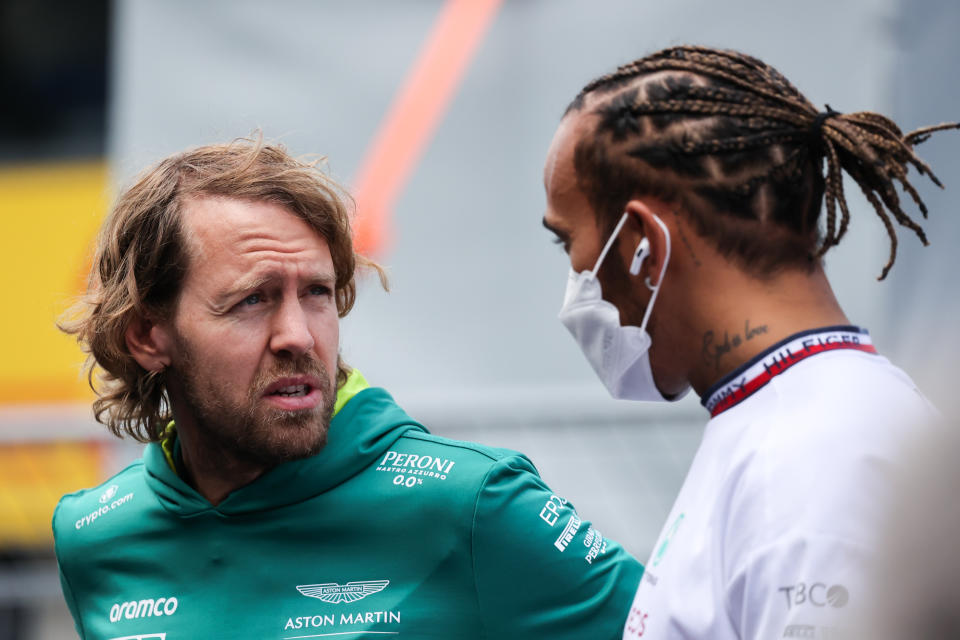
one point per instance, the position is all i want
(774, 530)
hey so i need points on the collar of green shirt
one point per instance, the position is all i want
(355, 384)
(367, 423)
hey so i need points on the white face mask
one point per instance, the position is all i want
(619, 355)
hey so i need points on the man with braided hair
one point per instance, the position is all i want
(686, 188)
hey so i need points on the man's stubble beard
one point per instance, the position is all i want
(252, 434)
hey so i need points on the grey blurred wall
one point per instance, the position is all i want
(922, 302)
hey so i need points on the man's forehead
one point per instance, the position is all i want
(235, 244)
(207, 218)
(559, 171)
(214, 221)
(206, 214)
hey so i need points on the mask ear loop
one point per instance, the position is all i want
(606, 247)
(663, 272)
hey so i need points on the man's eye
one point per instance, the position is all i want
(560, 241)
(252, 299)
(319, 290)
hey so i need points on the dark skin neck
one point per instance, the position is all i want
(735, 327)
(712, 316)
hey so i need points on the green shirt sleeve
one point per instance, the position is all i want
(540, 570)
(64, 582)
(71, 603)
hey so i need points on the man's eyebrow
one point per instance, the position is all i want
(563, 235)
(242, 285)
(258, 280)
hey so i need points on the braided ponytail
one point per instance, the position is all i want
(732, 140)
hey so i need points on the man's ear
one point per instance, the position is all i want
(651, 226)
(149, 343)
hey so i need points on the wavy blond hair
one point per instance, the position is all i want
(142, 258)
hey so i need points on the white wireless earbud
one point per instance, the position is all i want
(643, 250)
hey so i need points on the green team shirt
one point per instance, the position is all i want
(388, 532)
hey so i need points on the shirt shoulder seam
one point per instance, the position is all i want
(81, 492)
(495, 455)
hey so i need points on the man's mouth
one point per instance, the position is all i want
(293, 390)
(294, 393)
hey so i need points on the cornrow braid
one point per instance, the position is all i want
(733, 141)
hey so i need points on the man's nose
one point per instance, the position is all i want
(291, 330)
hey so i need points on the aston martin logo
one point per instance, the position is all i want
(336, 593)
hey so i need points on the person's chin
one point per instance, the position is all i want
(301, 451)
(291, 438)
